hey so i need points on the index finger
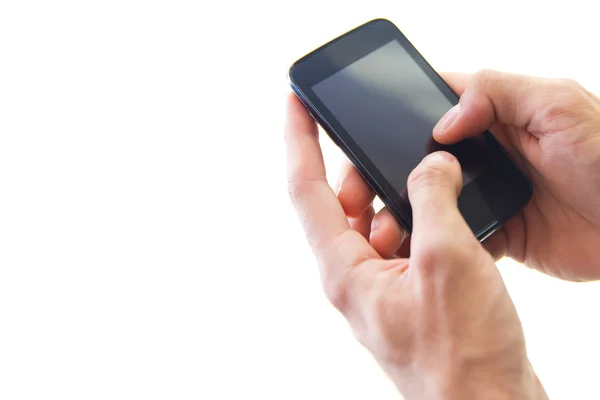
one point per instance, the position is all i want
(456, 80)
(337, 246)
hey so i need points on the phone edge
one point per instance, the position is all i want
(494, 225)
(380, 192)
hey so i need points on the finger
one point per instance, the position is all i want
(354, 193)
(386, 234)
(362, 224)
(337, 247)
(496, 245)
(508, 241)
(488, 97)
(456, 80)
(404, 250)
(516, 239)
(433, 189)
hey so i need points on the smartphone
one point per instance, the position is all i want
(379, 99)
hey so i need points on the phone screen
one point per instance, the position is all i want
(389, 106)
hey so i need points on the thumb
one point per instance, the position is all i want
(433, 189)
(489, 97)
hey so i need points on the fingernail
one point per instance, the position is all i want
(447, 120)
(438, 157)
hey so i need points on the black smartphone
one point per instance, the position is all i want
(379, 99)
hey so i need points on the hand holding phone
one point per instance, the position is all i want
(551, 127)
(379, 100)
(441, 323)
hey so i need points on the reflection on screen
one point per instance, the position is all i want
(389, 106)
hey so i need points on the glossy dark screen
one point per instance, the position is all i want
(389, 106)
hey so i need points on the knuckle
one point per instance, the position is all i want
(440, 253)
(567, 90)
(433, 253)
(569, 99)
(572, 92)
(502, 94)
(571, 85)
(336, 293)
(426, 175)
(483, 77)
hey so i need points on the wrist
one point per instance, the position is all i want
(521, 384)
(464, 384)
(493, 387)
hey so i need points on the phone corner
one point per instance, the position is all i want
(488, 230)
(292, 81)
(380, 21)
(290, 72)
(295, 89)
(289, 76)
(529, 191)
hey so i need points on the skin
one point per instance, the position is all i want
(432, 309)
(551, 128)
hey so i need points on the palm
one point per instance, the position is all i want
(558, 232)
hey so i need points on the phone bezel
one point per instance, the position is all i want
(504, 188)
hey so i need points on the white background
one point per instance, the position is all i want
(148, 249)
